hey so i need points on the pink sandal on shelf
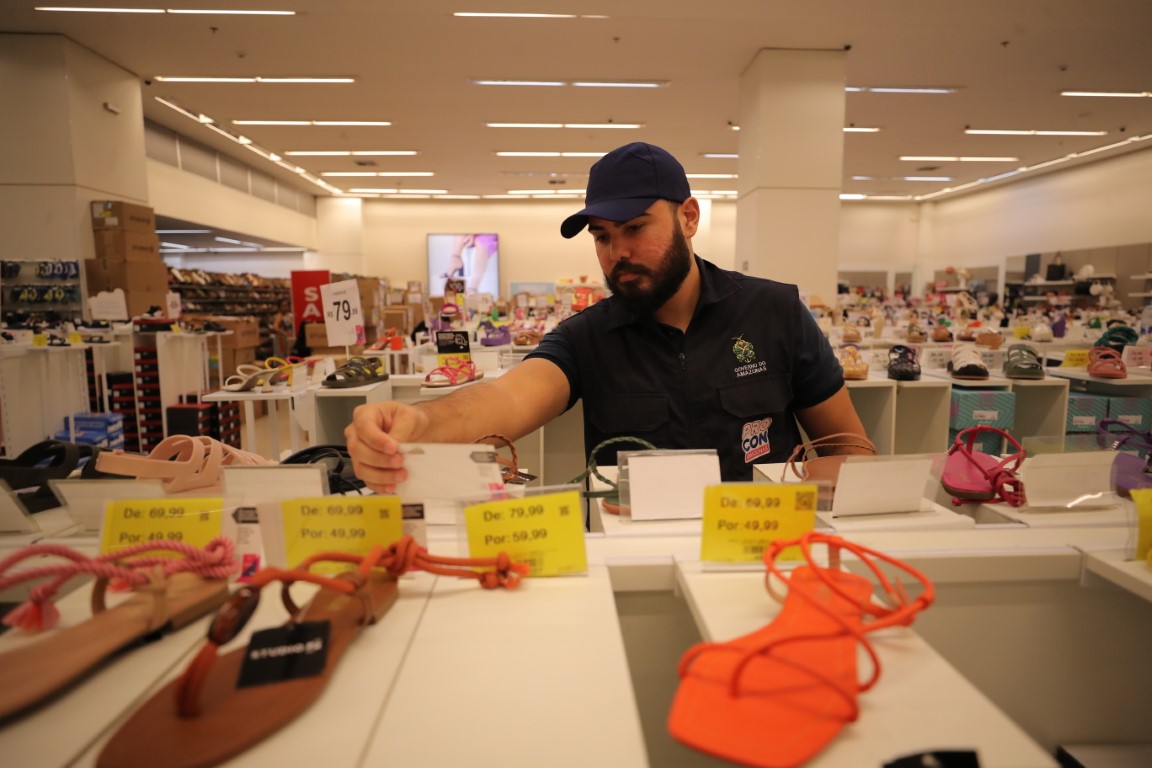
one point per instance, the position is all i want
(454, 373)
(182, 462)
(973, 477)
(168, 592)
(1106, 363)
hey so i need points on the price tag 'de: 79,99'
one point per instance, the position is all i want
(129, 522)
(546, 532)
(742, 519)
(350, 524)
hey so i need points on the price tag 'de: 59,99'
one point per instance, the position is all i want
(546, 532)
(351, 524)
(129, 522)
(742, 519)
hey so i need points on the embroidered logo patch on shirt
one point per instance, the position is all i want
(754, 439)
(747, 355)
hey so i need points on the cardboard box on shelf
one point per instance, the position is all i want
(991, 408)
(371, 291)
(104, 275)
(316, 335)
(1085, 411)
(402, 318)
(127, 245)
(229, 360)
(140, 302)
(117, 214)
(1136, 412)
(245, 331)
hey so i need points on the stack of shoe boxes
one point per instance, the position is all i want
(105, 430)
(193, 417)
(127, 255)
(146, 362)
(982, 407)
(122, 398)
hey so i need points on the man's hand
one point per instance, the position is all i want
(374, 439)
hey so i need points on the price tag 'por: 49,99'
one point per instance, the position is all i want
(545, 531)
(129, 522)
(742, 519)
(350, 524)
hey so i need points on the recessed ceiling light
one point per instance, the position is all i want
(551, 154)
(949, 159)
(260, 79)
(206, 11)
(720, 155)
(576, 83)
(377, 173)
(375, 191)
(1110, 94)
(859, 129)
(348, 153)
(534, 83)
(312, 122)
(516, 15)
(711, 175)
(565, 125)
(1005, 132)
(886, 89)
(70, 9)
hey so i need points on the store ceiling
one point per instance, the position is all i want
(414, 62)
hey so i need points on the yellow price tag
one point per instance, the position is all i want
(1075, 358)
(742, 519)
(1143, 499)
(39, 340)
(75, 338)
(546, 532)
(1021, 332)
(129, 522)
(352, 524)
(176, 328)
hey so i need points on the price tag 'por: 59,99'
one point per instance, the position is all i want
(742, 519)
(129, 522)
(545, 531)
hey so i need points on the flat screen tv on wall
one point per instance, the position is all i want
(475, 258)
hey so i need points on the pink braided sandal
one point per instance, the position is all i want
(973, 477)
(168, 592)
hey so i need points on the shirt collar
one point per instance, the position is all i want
(715, 285)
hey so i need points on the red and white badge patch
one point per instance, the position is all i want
(754, 439)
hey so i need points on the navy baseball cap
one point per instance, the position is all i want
(626, 182)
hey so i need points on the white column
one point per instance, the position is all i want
(791, 165)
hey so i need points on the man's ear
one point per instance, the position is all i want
(690, 216)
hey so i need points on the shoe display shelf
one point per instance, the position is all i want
(39, 287)
(1015, 634)
(40, 388)
(333, 407)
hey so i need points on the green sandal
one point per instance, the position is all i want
(1022, 362)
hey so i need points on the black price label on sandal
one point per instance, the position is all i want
(285, 653)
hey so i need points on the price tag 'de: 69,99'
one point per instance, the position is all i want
(130, 522)
(742, 519)
(546, 532)
(351, 524)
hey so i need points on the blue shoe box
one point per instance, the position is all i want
(1086, 411)
(99, 422)
(984, 407)
(1136, 412)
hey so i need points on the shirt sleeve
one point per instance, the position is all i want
(816, 372)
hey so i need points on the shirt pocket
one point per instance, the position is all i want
(628, 414)
(760, 396)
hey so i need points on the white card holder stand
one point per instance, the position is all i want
(935, 358)
(1058, 482)
(440, 475)
(881, 485)
(665, 484)
(13, 519)
(86, 500)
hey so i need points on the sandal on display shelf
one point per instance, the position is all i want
(902, 364)
(172, 585)
(610, 497)
(989, 338)
(453, 373)
(182, 462)
(357, 372)
(967, 364)
(850, 335)
(915, 335)
(940, 333)
(249, 377)
(825, 470)
(1131, 467)
(217, 709)
(1022, 362)
(974, 477)
(496, 337)
(855, 367)
(509, 468)
(776, 697)
(1105, 363)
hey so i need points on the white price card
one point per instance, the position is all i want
(343, 318)
(172, 303)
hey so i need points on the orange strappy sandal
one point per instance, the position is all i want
(205, 717)
(776, 697)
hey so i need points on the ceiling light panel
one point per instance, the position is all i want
(1007, 132)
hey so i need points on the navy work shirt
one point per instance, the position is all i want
(752, 355)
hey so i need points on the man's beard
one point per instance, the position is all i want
(665, 279)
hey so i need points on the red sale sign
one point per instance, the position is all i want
(307, 305)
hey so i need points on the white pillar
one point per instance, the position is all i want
(791, 165)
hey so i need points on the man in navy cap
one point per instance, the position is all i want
(683, 354)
